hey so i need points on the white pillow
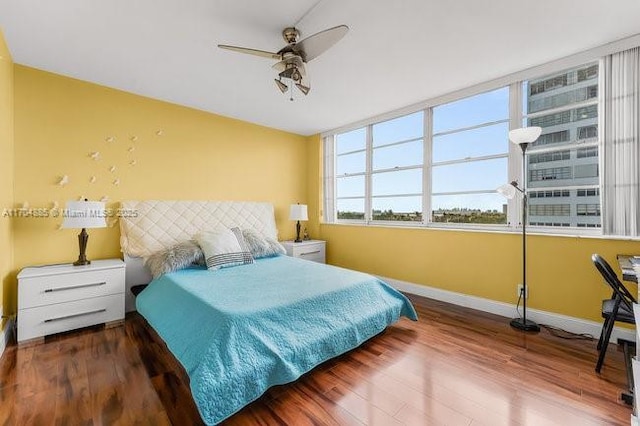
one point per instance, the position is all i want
(224, 248)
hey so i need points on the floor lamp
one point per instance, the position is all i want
(522, 137)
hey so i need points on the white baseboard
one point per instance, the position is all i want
(572, 324)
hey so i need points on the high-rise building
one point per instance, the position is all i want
(562, 165)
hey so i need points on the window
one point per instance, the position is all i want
(584, 113)
(550, 174)
(551, 119)
(394, 175)
(549, 156)
(565, 117)
(589, 225)
(551, 138)
(587, 73)
(469, 160)
(550, 210)
(593, 192)
(549, 194)
(396, 171)
(591, 151)
(548, 84)
(550, 224)
(588, 209)
(568, 115)
(350, 174)
(392, 172)
(588, 132)
(551, 101)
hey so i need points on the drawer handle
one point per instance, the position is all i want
(310, 252)
(97, 311)
(73, 287)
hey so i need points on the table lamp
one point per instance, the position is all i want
(84, 214)
(298, 212)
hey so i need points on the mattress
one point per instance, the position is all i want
(239, 331)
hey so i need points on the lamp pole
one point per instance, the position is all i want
(523, 323)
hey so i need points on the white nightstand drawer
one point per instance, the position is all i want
(52, 289)
(44, 320)
(313, 255)
(313, 250)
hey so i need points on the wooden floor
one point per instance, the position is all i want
(455, 366)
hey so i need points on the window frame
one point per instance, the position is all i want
(514, 157)
(370, 172)
(465, 160)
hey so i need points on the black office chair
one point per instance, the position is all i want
(618, 308)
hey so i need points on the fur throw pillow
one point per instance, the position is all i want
(260, 246)
(178, 257)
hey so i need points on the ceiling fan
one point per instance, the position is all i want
(293, 57)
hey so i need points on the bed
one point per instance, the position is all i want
(238, 331)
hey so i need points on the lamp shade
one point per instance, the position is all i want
(84, 214)
(525, 135)
(507, 190)
(298, 212)
(283, 87)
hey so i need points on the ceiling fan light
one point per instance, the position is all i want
(283, 87)
(303, 89)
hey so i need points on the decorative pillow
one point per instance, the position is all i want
(180, 256)
(224, 248)
(261, 246)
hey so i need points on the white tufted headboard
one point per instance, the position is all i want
(149, 226)
(156, 225)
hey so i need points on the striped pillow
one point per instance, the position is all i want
(224, 248)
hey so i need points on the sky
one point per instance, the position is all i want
(483, 175)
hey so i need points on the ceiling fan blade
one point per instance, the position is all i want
(313, 46)
(255, 52)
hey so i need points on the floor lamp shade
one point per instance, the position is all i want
(298, 212)
(525, 135)
(83, 215)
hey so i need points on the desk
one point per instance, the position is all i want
(626, 263)
(628, 273)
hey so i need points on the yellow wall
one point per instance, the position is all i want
(6, 163)
(59, 121)
(561, 277)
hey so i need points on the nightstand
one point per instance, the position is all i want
(57, 298)
(313, 250)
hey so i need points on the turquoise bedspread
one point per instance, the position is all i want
(239, 331)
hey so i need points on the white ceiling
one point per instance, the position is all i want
(396, 53)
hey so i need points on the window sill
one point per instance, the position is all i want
(498, 229)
